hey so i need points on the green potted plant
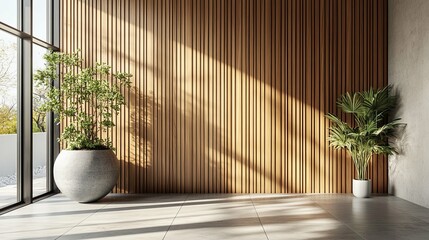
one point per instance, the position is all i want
(368, 135)
(86, 102)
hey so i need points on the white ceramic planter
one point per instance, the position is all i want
(362, 188)
(86, 175)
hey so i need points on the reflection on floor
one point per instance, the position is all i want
(219, 216)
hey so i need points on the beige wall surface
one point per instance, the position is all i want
(409, 72)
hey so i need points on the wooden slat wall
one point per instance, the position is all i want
(230, 96)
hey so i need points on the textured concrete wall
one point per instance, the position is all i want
(409, 72)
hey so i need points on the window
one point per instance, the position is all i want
(40, 129)
(41, 20)
(9, 13)
(8, 119)
(26, 134)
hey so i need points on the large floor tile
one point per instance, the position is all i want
(217, 217)
(232, 228)
(392, 231)
(45, 233)
(120, 230)
(308, 230)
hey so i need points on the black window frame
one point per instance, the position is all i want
(25, 98)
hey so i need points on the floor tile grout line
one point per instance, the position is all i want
(342, 222)
(82, 220)
(257, 214)
(172, 221)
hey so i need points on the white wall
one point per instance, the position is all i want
(8, 154)
(9, 151)
(409, 72)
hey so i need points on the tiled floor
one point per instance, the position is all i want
(225, 216)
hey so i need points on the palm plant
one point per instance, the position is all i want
(371, 130)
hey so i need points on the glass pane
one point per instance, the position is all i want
(41, 19)
(9, 12)
(40, 146)
(8, 118)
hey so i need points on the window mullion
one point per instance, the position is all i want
(26, 112)
(54, 129)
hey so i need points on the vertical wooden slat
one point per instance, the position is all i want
(319, 126)
(231, 96)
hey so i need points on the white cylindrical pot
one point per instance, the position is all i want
(362, 188)
(86, 175)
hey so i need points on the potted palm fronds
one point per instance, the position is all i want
(368, 135)
(86, 102)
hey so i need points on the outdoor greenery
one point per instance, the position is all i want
(8, 120)
(39, 115)
(8, 108)
(87, 101)
(371, 130)
(7, 58)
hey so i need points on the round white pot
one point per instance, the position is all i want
(86, 175)
(362, 188)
